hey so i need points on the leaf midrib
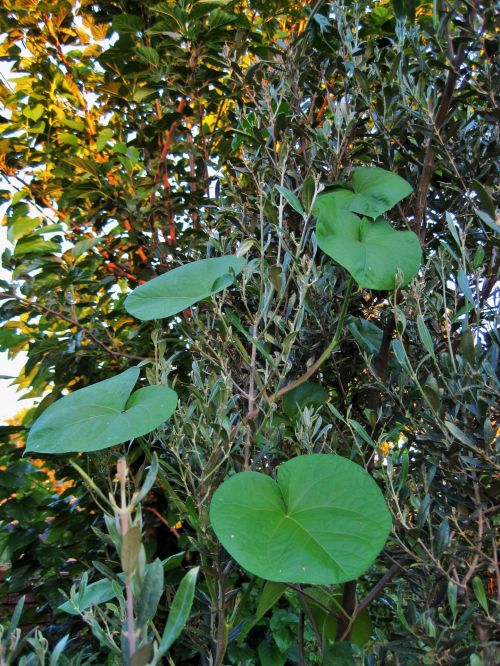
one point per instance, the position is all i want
(318, 543)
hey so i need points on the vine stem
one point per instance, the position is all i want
(317, 364)
(251, 402)
(328, 351)
(130, 597)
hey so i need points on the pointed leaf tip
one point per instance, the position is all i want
(182, 287)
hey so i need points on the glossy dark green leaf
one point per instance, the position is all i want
(323, 521)
(84, 246)
(180, 288)
(101, 415)
(35, 245)
(148, 54)
(173, 561)
(21, 226)
(127, 23)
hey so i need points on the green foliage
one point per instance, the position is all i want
(326, 620)
(179, 611)
(140, 138)
(376, 191)
(307, 394)
(12, 644)
(323, 521)
(375, 254)
(182, 287)
(139, 587)
(45, 539)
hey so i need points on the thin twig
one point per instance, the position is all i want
(163, 520)
(307, 611)
(251, 401)
(480, 534)
(302, 655)
(124, 513)
(418, 224)
(318, 603)
(222, 636)
(377, 589)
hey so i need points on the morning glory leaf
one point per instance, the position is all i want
(323, 521)
(372, 252)
(182, 287)
(101, 415)
(376, 190)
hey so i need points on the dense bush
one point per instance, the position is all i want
(141, 137)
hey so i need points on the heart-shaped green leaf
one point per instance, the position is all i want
(376, 190)
(372, 252)
(180, 288)
(101, 415)
(323, 521)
